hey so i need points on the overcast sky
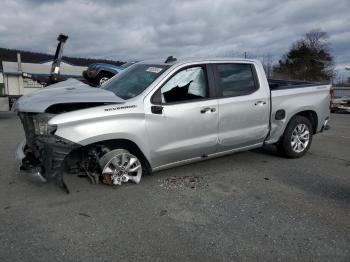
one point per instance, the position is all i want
(135, 30)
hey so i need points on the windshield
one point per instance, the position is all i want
(134, 80)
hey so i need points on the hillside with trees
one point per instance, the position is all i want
(32, 57)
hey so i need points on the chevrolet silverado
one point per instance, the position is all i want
(156, 115)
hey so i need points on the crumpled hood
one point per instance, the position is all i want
(69, 91)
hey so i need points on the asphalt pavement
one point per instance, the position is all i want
(250, 206)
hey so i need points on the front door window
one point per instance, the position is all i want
(187, 84)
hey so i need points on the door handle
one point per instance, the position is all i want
(260, 103)
(211, 109)
(157, 110)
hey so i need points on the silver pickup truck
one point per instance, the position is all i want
(156, 115)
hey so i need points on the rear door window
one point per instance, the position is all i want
(235, 79)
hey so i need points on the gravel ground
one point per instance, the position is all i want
(251, 206)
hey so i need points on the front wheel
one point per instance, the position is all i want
(297, 138)
(120, 166)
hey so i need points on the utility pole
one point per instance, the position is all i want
(20, 78)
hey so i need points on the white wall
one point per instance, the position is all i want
(29, 90)
(50, 63)
(4, 104)
(12, 85)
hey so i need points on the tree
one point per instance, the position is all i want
(308, 59)
(317, 39)
(267, 61)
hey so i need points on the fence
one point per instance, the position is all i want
(2, 89)
(341, 91)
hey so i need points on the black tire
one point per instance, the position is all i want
(285, 144)
(102, 75)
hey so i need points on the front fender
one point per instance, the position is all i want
(108, 125)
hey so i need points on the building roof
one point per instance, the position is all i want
(11, 68)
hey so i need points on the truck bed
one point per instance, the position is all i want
(296, 96)
(277, 84)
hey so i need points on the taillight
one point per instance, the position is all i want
(331, 92)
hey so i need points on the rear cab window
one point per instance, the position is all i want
(235, 79)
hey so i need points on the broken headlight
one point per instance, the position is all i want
(41, 125)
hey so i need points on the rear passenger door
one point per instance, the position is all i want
(243, 106)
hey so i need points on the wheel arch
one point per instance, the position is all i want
(311, 115)
(127, 144)
(284, 145)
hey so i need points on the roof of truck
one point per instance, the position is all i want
(197, 59)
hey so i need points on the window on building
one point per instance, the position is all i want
(30, 83)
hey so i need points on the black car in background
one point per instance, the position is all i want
(98, 73)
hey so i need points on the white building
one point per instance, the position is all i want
(2, 91)
(16, 85)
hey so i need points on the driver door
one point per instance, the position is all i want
(183, 121)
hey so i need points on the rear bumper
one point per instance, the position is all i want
(325, 125)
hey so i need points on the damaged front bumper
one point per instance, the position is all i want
(50, 165)
(19, 156)
(32, 173)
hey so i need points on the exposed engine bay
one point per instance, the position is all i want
(50, 156)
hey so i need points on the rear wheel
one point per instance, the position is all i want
(297, 138)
